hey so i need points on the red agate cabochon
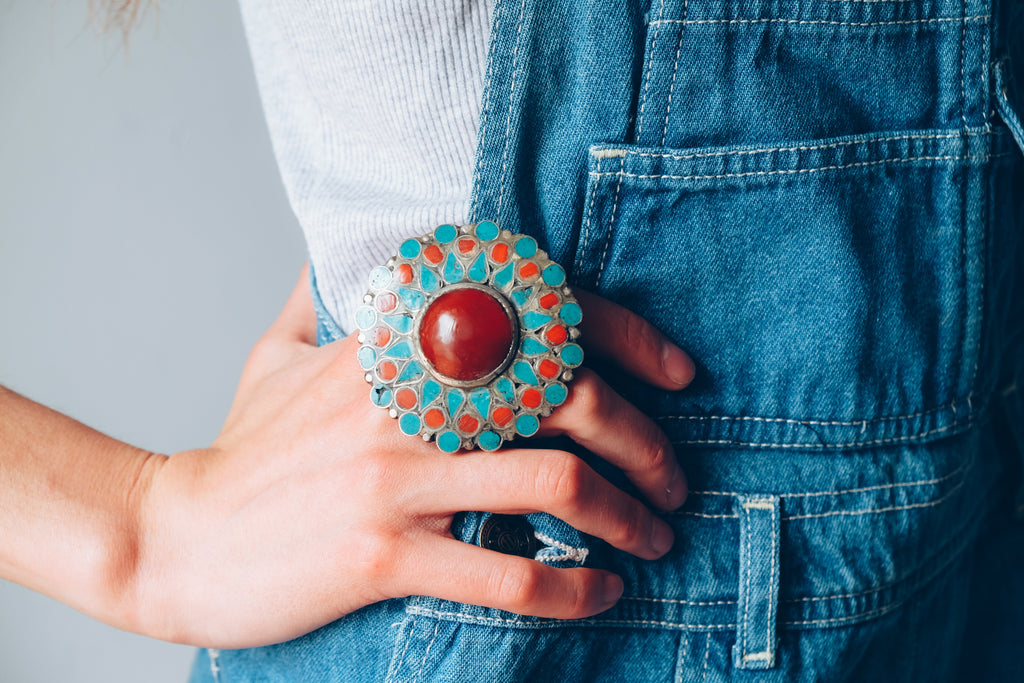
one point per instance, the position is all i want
(468, 335)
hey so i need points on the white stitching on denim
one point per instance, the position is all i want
(837, 167)
(855, 513)
(817, 423)
(590, 213)
(686, 513)
(673, 601)
(801, 148)
(707, 651)
(773, 592)
(759, 504)
(647, 74)
(849, 444)
(611, 227)
(675, 70)
(923, 482)
(758, 657)
(396, 665)
(486, 113)
(472, 618)
(423, 662)
(681, 663)
(963, 49)
(907, 22)
(746, 582)
(508, 118)
(214, 655)
(570, 552)
(853, 617)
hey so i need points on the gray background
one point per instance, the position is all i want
(145, 243)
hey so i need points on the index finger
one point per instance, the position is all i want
(617, 334)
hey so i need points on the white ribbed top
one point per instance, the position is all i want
(373, 109)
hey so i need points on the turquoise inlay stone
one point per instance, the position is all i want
(489, 441)
(380, 277)
(453, 269)
(428, 279)
(400, 350)
(367, 357)
(505, 388)
(455, 399)
(380, 395)
(554, 275)
(524, 373)
(527, 425)
(504, 276)
(481, 400)
(533, 320)
(487, 230)
(571, 313)
(366, 318)
(571, 354)
(409, 424)
(478, 271)
(445, 233)
(412, 371)
(449, 442)
(410, 249)
(521, 296)
(430, 391)
(413, 299)
(526, 246)
(532, 347)
(556, 394)
(401, 323)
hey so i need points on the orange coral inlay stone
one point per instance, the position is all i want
(502, 416)
(386, 301)
(499, 254)
(433, 254)
(406, 398)
(466, 246)
(556, 334)
(531, 398)
(468, 424)
(548, 368)
(381, 336)
(548, 300)
(434, 418)
(404, 273)
(387, 370)
(529, 270)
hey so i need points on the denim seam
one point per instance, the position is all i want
(856, 513)
(963, 49)
(590, 215)
(396, 664)
(673, 601)
(214, 655)
(611, 227)
(508, 118)
(802, 148)
(905, 22)
(649, 68)
(826, 446)
(794, 171)
(816, 423)
(675, 71)
(681, 659)
(426, 653)
(880, 487)
(472, 618)
(707, 651)
(486, 113)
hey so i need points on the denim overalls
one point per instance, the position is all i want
(822, 201)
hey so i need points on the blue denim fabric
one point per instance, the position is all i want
(824, 203)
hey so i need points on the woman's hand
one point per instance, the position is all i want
(311, 503)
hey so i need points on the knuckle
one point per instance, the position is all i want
(517, 585)
(659, 454)
(631, 528)
(377, 554)
(638, 334)
(589, 395)
(563, 480)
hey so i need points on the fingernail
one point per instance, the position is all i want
(675, 494)
(676, 364)
(661, 537)
(612, 590)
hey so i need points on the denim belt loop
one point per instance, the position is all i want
(759, 581)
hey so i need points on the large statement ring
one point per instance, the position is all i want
(468, 335)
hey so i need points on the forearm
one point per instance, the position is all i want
(70, 508)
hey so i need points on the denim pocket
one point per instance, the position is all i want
(830, 289)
